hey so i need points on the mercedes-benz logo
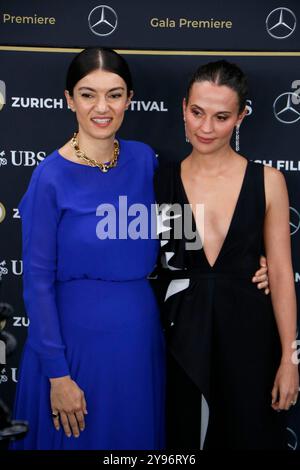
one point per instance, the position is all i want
(284, 109)
(294, 220)
(103, 20)
(281, 23)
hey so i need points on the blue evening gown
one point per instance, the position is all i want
(92, 312)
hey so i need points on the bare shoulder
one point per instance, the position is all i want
(275, 187)
(273, 177)
(240, 163)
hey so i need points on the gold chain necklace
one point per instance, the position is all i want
(104, 167)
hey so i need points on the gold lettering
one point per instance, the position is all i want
(154, 22)
(7, 18)
(162, 23)
(204, 24)
(27, 20)
(190, 23)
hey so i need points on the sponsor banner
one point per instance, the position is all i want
(155, 25)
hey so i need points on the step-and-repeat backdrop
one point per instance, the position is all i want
(163, 43)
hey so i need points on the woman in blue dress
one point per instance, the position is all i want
(92, 372)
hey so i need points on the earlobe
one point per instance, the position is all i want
(129, 99)
(241, 117)
(128, 104)
(184, 108)
(69, 101)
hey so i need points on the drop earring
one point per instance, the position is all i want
(186, 137)
(237, 137)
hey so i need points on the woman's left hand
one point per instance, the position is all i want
(261, 276)
(286, 386)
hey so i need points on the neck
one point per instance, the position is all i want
(101, 150)
(213, 163)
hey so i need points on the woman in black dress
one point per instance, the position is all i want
(231, 364)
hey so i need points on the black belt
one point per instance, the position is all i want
(197, 274)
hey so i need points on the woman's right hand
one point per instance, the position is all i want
(68, 403)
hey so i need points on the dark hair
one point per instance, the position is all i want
(95, 58)
(225, 73)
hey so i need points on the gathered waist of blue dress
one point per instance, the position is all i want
(98, 279)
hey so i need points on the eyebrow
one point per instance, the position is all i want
(218, 112)
(93, 89)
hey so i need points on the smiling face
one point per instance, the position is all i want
(211, 114)
(99, 100)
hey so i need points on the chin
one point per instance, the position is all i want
(204, 148)
(103, 133)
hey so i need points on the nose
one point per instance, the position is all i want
(101, 105)
(207, 125)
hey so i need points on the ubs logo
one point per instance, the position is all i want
(3, 160)
(3, 269)
(16, 267)
(103, 20)
(5, 375)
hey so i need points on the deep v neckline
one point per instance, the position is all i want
(232, 220)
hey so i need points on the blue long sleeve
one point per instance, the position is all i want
(40, 217)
